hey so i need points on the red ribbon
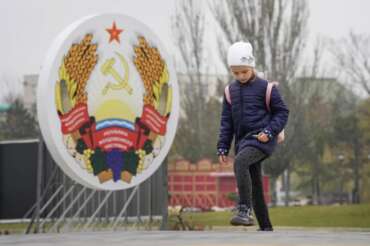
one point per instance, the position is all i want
(152, 119)
(74, 119)
(115, 138)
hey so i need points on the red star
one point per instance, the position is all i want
(114, 33)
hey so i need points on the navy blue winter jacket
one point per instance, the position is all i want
(247, 115)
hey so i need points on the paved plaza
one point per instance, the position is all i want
(283, 236)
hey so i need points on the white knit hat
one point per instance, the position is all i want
(241, 54)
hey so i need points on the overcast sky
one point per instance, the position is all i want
(29, 26)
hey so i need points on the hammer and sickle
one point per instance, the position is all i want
(108, 69)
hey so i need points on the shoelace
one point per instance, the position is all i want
(245, 213)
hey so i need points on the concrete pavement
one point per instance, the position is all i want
(286, 237)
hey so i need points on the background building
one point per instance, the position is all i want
(204, 184)
(29, 90)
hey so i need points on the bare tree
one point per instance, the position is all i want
(352, 55)
(313, 111)
(9, 88)
(277, 31)
(196, 129)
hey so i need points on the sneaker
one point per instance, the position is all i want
(243, 217)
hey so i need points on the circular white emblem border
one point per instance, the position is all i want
(47, 114)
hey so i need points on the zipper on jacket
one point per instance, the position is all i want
(240, 127)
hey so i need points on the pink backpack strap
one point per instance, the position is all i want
(268, 93)
(227, 94)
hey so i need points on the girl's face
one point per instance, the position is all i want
(242, 73)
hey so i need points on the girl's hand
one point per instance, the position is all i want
(263, 137)
(222, 159)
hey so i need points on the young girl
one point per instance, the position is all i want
(245, 115)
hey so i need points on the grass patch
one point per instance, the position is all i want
(306, 216)
(13, 228)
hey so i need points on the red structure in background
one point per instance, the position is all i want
(204, 184)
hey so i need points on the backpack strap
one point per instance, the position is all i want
(268, 93)
(227, 94)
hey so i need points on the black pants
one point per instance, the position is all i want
(248, 173)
